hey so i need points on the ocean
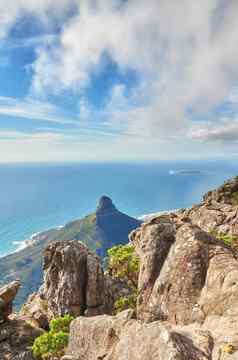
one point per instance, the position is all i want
(35, 198)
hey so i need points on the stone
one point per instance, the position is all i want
(16, 337)
(7, 295)
(152, 242)
(185, 275)
(73, 279)
(36, 309)
(122, 337)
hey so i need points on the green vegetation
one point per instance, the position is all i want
(52, 343)
(230, 240)
(234, 197)
(124, 264)
(125, 302)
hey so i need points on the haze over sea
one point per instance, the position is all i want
(35, 198)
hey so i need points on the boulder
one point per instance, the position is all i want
(186, 275)
(7, 295)
(122, 337)
(152, 242)
(74, 283)
(73, 280)
(16, 337)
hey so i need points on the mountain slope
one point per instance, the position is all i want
(100, 231)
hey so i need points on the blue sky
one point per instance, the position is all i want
(113, 80)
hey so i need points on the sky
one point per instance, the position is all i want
(118, 80)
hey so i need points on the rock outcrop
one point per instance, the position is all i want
(122, 337)
(74, 283)
(195, 279)
(218, 212)
(152, 242)
(225, 194)
(16, 333)
(187, 306)
(73, 280)
(16, 338)
(7, 295)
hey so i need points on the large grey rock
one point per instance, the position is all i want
(186, 274)
(152, 242)
(74, 283)
(73, 280)
(121, 337)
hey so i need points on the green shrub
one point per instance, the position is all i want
(124, 303)
(61, 324)
(228, 239)
(123, 263)
(54, 342)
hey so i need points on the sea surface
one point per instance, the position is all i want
(34, 198)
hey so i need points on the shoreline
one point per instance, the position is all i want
(21, 245)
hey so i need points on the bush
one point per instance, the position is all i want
(230, 240)
(123, 263)
(61, 324)
(53, 342)
(124, 303)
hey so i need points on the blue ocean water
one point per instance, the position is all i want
(38, 197)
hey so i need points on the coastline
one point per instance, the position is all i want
(21, 245)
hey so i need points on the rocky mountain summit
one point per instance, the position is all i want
(187, 302)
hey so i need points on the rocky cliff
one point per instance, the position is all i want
(187, 304)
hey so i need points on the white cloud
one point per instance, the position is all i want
(45, 10)
(223, 131)
(32, 109)
(185, 51)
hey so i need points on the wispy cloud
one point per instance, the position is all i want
(33, 110)
(26, 42)
(224, 131)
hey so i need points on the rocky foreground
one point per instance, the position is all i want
(187, 305)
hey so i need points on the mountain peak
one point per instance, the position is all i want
(105, 204)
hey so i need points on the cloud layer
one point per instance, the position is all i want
(184, 52)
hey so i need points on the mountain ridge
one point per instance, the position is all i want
(100, 230)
